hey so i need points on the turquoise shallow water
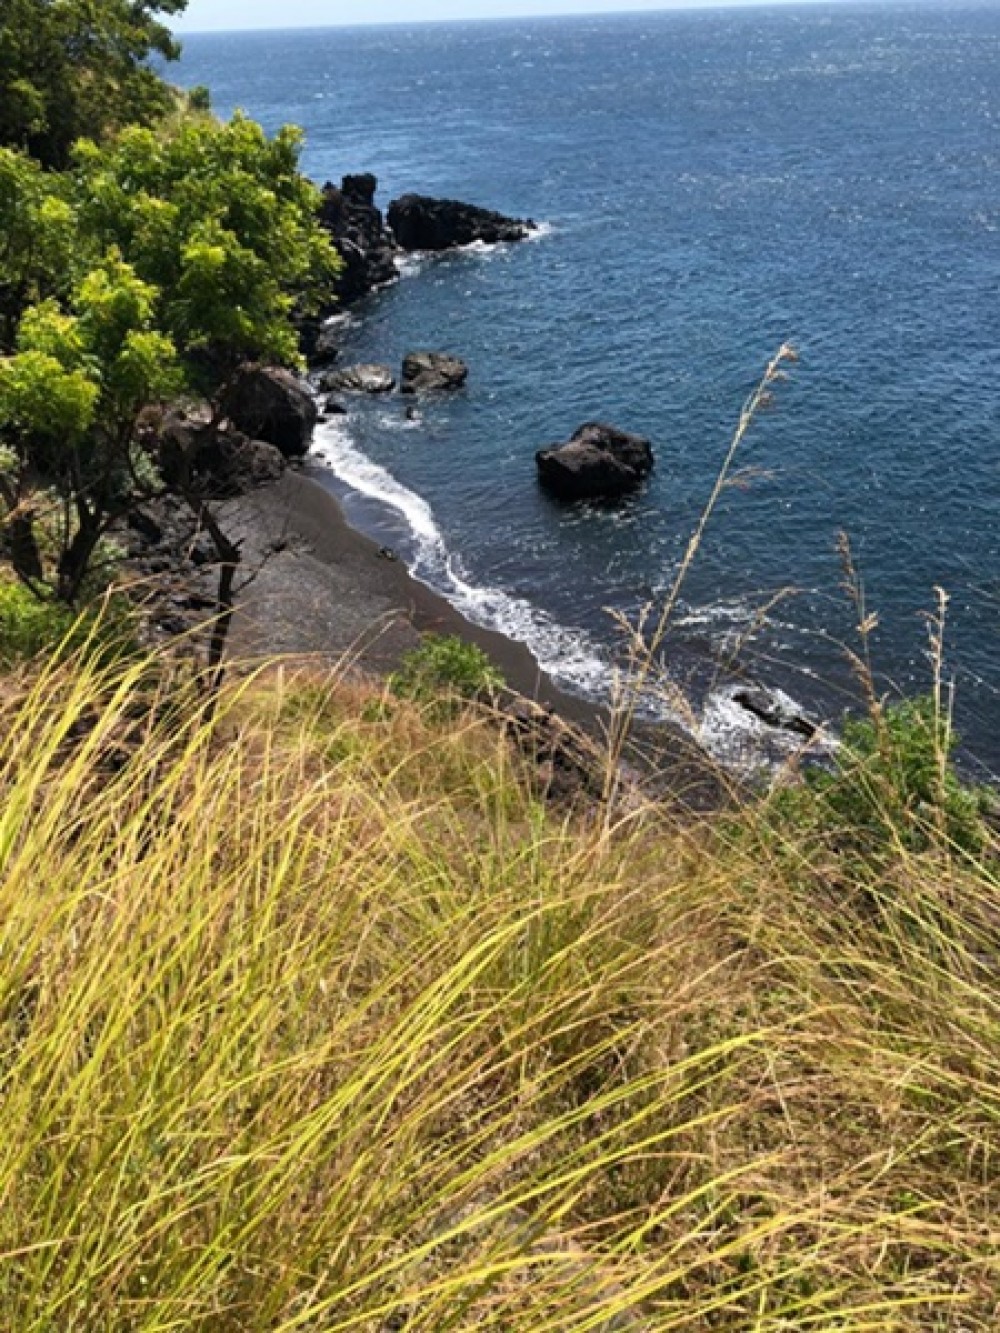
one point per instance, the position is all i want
(711, 183)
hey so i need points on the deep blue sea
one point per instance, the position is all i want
(711, 183)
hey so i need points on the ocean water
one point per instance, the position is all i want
(709, 184)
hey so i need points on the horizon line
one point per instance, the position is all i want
(686, 7)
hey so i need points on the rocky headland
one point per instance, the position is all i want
(419, 222)
(370, 244)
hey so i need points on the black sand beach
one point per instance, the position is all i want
(314, 588)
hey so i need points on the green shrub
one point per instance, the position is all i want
(199, 98)
(445, 667)
(31, 626)
(893, 785)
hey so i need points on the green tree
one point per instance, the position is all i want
(220, 220)
(70, 399)
(75, 68)
(37, 238)
(190, 252)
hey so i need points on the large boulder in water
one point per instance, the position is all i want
(774, 710)
(359, 379)
(271, 404)
(419, 222)
(599, 462)
(432, 372)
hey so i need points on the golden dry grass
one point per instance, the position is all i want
(312, 1017)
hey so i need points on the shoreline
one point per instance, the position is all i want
(380, 610)
(314, 587)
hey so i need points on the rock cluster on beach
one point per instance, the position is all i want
(598, 462)
(211, 461)
(271, 404)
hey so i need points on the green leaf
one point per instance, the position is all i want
(39, 397)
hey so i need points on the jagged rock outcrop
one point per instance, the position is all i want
(349, 213)
(598, 462)
(364, 378)
(273, 405)
(432, 372)
(212, 462)
(419, 222)
(567, 764)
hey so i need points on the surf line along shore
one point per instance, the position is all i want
(315, 589)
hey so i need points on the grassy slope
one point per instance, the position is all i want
(314, 1018)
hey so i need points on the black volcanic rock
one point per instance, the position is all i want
(214, 463)
(364, 378)
(773, 711)
(326, 346)
(422, 223)
(430, 372)
(599, 462)
(359, 234)
(271, 404)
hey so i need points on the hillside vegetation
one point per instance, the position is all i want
(315, 1012)
(313, 1016)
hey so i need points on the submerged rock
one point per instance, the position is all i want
(365, 378)
(273, 405)
(419, 222)
(598, 462)
(774, 711)
(430, 372)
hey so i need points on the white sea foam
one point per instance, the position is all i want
(740, 741)
(540, 232)
(567, 655)
(409, 265)
(716, 613)
(732, 623)
(413, 263)
(342, 320)
(732, 735)
(334, 447)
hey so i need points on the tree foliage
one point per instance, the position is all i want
(157, 263)
(219, 219)
(37, 238)
(74, 68)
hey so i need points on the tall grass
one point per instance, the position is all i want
(312, 1017)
